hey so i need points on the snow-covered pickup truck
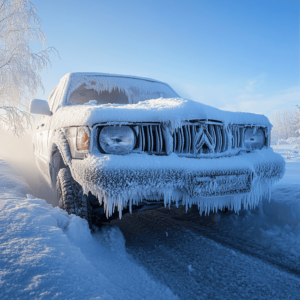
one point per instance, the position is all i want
(107, 141)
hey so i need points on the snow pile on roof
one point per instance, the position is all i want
(166, 106)
(172, 111)
(46, 254)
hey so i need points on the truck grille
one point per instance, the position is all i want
(151, 139)
(191, 139)
(197, 139)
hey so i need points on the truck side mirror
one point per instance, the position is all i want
(40, 107)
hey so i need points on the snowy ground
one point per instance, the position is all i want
(158, 254)
(45, 253)
(253, 255)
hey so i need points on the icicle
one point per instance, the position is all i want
(261, 187)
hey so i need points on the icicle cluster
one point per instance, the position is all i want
(261, 188)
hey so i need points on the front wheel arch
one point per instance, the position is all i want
(56, 164)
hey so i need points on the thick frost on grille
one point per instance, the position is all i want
(191, 139)
(197, 139)
(151, 139)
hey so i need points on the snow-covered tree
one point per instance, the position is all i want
(297, 119)
(284, 124)
(20, 66)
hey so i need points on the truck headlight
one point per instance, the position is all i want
(79, 140)
(83, 138)
(254, 139)
(117, 139)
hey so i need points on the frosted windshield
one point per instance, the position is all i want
(82, 95)
(118, 90)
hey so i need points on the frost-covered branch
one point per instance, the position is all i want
(14, 119)
(20, 66)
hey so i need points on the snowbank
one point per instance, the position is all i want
(292, 166)
(11, 183)
(45, 253)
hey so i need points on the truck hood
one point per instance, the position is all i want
(171, 110)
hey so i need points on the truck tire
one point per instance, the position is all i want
(71, 197)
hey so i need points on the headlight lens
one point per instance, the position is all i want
(254, 140)
(117, 139)
(83, 138)
(79, 140)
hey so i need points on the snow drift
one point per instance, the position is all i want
(45, 253)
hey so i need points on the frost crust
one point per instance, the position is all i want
(107, 82)
(235, 182)
(171, 111)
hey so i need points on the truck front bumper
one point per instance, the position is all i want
(120, 180)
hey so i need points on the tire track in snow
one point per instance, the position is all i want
(251, 249)
(208, 228)
(185, 250)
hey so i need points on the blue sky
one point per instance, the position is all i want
(239, 55)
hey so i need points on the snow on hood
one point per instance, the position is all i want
(171, 110)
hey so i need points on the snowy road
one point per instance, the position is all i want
(158, 254)
(253, 255)
(206, 259)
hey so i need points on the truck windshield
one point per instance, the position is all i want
(119, 90)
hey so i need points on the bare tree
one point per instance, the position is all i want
(20, 66)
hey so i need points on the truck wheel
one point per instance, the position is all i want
(71, 197)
